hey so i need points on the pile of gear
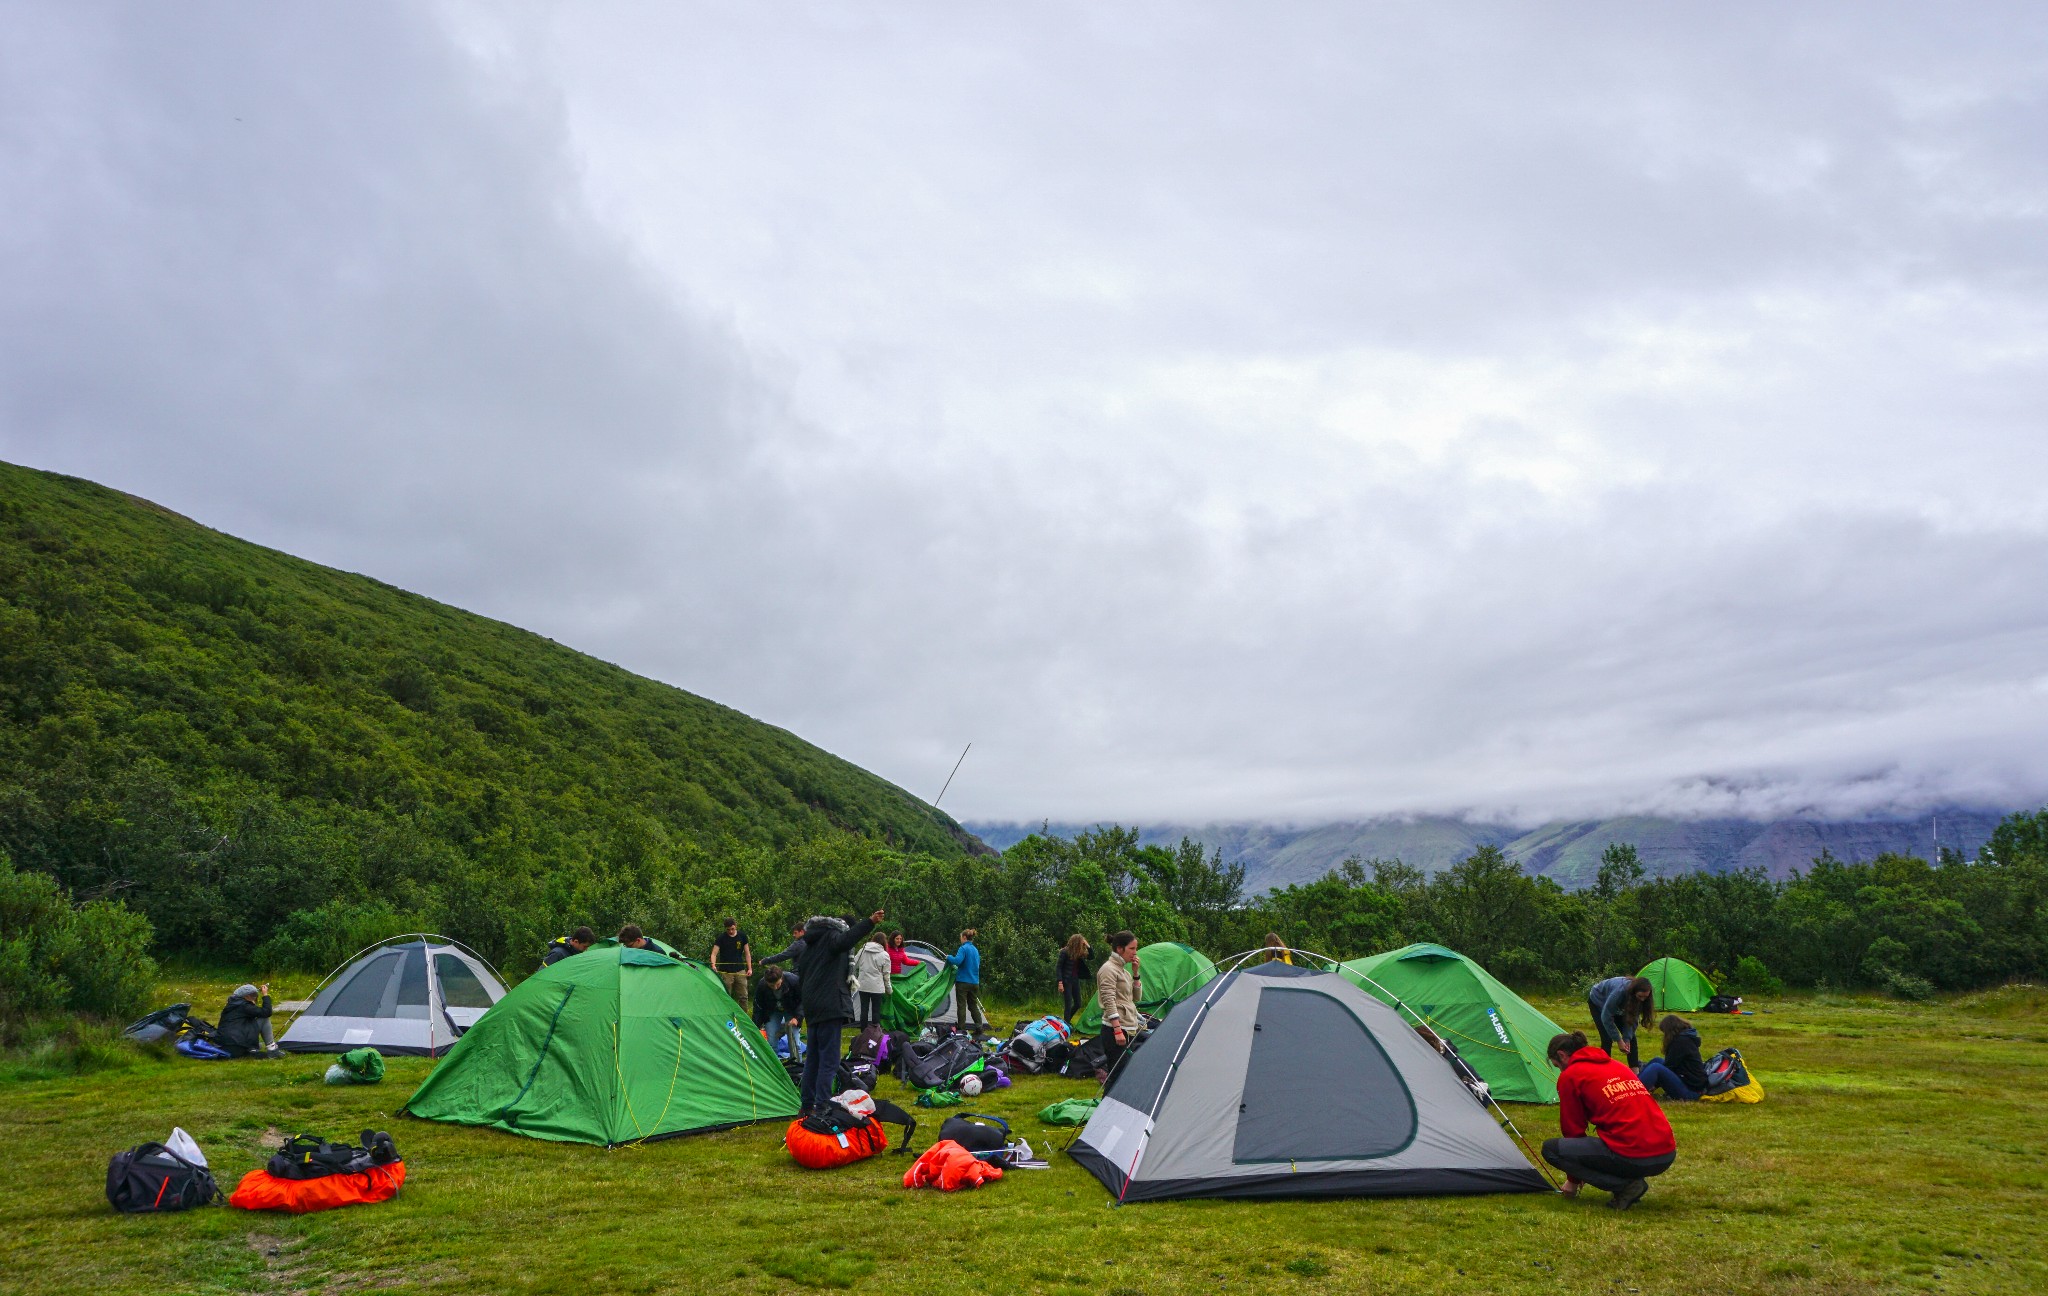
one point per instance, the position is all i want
(307, 1174)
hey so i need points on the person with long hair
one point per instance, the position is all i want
(1071, 971)
(1619, 1005)
(1116, 989)
(1679, 1072)
(1276, 950)
(901, 960)
(1633, 1143)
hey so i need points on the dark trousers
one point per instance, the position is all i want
(1071, 998)
(1655, 1073)
(1112, 1052)
(1608, 1040)
(871, 1008)
(821, 1061)
(967, 1007)
(1589, 1161)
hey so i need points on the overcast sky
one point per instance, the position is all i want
(1209, 411)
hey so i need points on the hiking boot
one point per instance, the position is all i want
(1631, 1193)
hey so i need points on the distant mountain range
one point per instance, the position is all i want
(1567, 851)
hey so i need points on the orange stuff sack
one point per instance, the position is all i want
(262, 1190)
(815, 1151)
(949, 1167)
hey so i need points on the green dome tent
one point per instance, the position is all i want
(611, 1046)
(920, 993)
(1498, 1033)
(1168, 972)
(1678, 985)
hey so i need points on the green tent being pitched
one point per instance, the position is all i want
(1498, 1033)
(915, 994)
(1677, 985)
(1168, 972)
(611, 1046)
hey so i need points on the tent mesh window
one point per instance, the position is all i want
(460, 986)
(412, 983)
(1350, 1104)
(361, 995)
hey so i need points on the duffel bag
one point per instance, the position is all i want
(818, 1151)
(150, 1177)
(261, 1190)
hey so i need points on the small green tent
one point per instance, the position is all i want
(611, 1046)
(1678, 985)
(1498, 1033)
(1168, 972)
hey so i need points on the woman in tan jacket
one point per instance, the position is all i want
(1116, 989)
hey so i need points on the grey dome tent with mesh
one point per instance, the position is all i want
(410, 996)
(1277, 1080)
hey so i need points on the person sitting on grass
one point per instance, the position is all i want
(1634, 1142)
(244, 1029)
(1619, 1005)
(1679, 1073)
(569, 946)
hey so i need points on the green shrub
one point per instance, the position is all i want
(320, 940)
(56, 957)
(1904, 985)
(1751, 977)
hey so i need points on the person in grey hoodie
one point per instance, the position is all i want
(871, 982)
(1619, 1005)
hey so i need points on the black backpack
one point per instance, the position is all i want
(977, 1133)
(935, 1065)
(1722, 1003)
(308, 1156)
(1725, 1071)
(151, 1177)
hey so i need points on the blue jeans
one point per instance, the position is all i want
(821, 1062)
(1655, 1073)
(782, 1027)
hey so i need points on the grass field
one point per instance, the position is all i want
(1901, 1147)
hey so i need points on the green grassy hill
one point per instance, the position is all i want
(224, 735)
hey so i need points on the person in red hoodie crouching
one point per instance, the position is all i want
(1634, 1142)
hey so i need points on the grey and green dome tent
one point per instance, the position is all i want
(611, 1046)
(1168, 972)
(1498, 1033)
(1677, 986)
(1281, 1081)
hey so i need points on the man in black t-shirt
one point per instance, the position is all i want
(732, 957)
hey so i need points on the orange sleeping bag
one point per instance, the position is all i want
(262, 1190)
(815, 1151)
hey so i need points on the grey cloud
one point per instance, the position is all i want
(1212, 414)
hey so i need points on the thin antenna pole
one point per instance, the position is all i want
(949, 778)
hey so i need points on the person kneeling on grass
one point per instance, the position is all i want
(1634, 1142)
(1679, 1073)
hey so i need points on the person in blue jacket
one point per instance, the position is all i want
(1619, 1005)
(966, 965)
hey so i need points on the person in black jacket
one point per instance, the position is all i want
(244, 1029)
(1679, 1073)
(569, 946)
(824, 968)
(1071, 971)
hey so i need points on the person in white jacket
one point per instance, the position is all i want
(871, 981)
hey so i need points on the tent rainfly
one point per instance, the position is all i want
(1283, 1081)
(1677, 986)
(922, 995)
(1500, 1035)
(1168, 972)
(412, 996)
(610, 1046)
